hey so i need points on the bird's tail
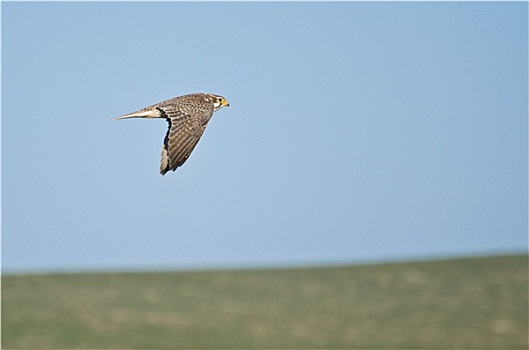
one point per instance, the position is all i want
(153, 113)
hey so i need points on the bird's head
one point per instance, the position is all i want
(218, 102)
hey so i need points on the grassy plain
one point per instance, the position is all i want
(451, 304)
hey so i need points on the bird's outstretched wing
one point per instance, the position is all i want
(183, 134)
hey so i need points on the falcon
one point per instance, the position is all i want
(188, 117)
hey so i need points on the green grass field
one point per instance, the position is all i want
(463, 304)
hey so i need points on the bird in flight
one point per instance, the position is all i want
(188, 117)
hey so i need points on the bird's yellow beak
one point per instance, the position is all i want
(225, 103)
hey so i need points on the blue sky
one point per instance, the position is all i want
(356, 132)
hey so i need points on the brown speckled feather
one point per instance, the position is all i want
(188, 117)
